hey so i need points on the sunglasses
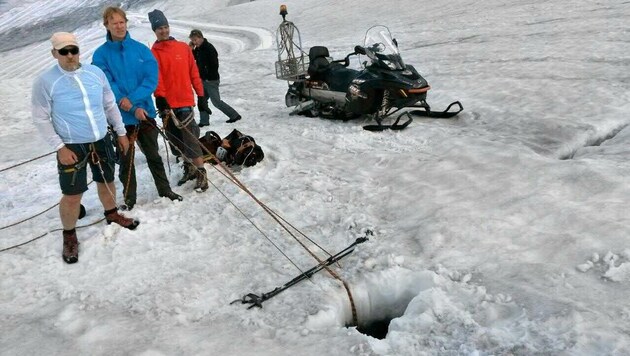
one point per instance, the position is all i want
(64, 51)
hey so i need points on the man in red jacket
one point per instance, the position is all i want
(178, 76)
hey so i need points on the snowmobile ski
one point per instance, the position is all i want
(394, 126)
(257, 300)
(446, 114)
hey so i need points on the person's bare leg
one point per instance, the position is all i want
(107, 196)
(69, 207)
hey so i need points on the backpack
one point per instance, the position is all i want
(241, 149)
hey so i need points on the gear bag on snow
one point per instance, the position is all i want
(234, 149)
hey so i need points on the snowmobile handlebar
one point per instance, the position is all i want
(346, 61)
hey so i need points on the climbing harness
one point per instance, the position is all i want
(75, 168)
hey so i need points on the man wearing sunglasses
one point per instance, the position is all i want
(72, 105)
(132, 72)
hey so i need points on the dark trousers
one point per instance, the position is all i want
(147, 138)
(211, 91)
(185, 139)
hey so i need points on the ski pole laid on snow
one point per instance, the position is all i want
(257, 300)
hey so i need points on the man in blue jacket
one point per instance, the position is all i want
(133, 75)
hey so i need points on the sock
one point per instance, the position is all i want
(110, 211)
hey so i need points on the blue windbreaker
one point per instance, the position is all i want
(132, 72)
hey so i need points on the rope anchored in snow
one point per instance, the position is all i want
(257, 300)
(322, 264)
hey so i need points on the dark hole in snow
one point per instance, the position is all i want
(383, 296)
(377, 329)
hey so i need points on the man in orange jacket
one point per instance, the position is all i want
(178, 76)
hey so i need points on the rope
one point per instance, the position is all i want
(34, 216)
(164, 135)
(25, 162)
(29, 218)
(49, 232)
(96, 160)
(131, 154)
(274, 215)
(277, 217)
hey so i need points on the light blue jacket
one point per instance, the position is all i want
(132, 72)
(74, 107)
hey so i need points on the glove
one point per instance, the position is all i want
(202, 105)
(161, 103)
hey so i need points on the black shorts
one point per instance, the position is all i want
(73, 178)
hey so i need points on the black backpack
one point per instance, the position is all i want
(241, 149)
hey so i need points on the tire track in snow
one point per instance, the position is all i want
(235, 38)
(30, 60)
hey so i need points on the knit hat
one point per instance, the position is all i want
(60, 40)
(157, 19)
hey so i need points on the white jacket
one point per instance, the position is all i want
(74, 107)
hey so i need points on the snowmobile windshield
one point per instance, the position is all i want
(381, 48)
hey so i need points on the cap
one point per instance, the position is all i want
(60, 40)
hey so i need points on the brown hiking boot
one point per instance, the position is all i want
(202, 181)
(70, 252)
(112, 216)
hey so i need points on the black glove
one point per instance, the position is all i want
(161, 103)
(202, 105)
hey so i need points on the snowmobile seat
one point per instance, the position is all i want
(336, 75)
(318, 62)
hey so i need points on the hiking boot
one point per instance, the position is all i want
(112, 216)
(129, 204)
(235, 119)
(189, 173)
(201, 185)
(172, 196)
(70, 252)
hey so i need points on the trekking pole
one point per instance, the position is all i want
(257, 300)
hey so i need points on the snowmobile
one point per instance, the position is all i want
(323, 87)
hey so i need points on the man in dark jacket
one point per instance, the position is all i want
(207, 60)
(132, 72)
